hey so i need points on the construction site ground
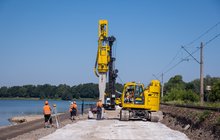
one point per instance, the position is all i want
(180, 119)
(109, 128)
(83, 128)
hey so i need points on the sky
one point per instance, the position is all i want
(55, 42)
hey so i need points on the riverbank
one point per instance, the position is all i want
(42, 132)
(11, 108)
(23, 119)
(34, 128)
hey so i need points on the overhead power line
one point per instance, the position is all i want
(199, 37)
(173, 66)
(212, 39)
(171, 61)
(190, 43)
(191, 54)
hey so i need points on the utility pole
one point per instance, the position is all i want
(201, 72)
(201, 76)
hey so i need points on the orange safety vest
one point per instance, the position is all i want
(99, 104)
(47, 110)
(74, 106)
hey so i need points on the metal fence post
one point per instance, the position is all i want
(82, 108)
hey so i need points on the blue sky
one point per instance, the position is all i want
(55, 42)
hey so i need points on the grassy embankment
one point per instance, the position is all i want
(207, 104)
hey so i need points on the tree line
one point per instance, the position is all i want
(47, 91)
(177, 89)
(174, 89)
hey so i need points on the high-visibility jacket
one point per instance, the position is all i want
(74, 106)
(47, 110)
(99, 104)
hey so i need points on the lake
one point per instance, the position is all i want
(11, 108)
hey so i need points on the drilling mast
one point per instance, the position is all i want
(105, 63)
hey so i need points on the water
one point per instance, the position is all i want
(11, 108)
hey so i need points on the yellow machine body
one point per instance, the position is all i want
(102, 58)
(148, 99)
(152, 94)
(137, 102)
(118, 101)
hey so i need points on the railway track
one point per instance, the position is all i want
(193, 107)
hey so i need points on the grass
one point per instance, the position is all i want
(215, 104)
(206, 104)
(204, 115)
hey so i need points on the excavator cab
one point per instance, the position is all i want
(134, 94)
(139, 95)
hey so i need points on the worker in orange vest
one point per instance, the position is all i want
(47, 114)
(73, 110)
(99, 109)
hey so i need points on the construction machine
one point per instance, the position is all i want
(136, 102)
(140, 103)
(105, 65)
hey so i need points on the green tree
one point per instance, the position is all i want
(177, 89)
(30, 89)
(14, 91)
(215, 93)
(4, 92)
(181, 94)
(174, 82)
(22, 92)
(63, 91)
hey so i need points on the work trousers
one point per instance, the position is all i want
(48, 118)
(99, 113)
(73, 112)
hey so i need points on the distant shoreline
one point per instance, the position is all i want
(59, 99)
(18, 98)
